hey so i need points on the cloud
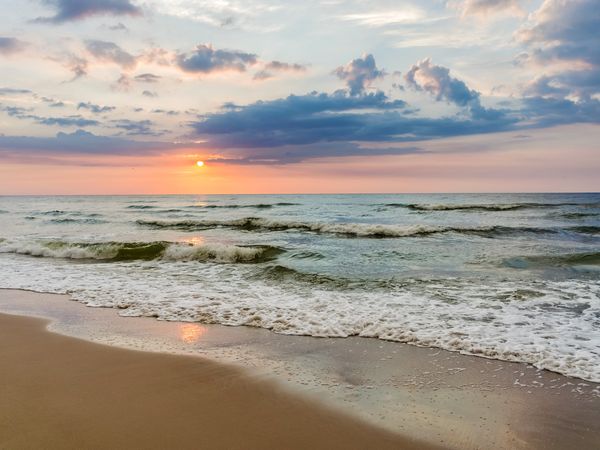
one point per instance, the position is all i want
(69, 10)
(297, 153)
(168, 112)
(82, 142)
(436, 80)
(10, 45)
(118, 27)
(52, 103)
(277, 66)
(320, 118)
(110, 52)
(68, 121)
(136, 127)
(14, 111)
(425, 76)
(359, 73)
(123, 83)
(147, 78)
(13, 91)
(262, 75)
(546, 112)
(96, 109)
(407, 14)
(77, 65)
(488, 7)
(205, 59)
(150, 94)
(562, 39)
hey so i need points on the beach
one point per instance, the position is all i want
(60, 392)
(249, 388)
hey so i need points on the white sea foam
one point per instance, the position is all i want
(139, 250)
(352, 229)
(551, 324)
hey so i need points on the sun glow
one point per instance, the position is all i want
(199, 163)
(190, 333)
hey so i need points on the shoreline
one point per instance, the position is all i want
(61, 392)
(422, 393)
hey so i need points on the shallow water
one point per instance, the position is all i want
(506, 276)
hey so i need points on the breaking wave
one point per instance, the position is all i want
(141, 207)
(542, 261)
(483, 206)
(586, 229)
(89, 220)
(131, 251)
(238, 206)
(346, 229)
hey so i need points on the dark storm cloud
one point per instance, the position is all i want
(69, 10)
(205, 59)
(359, 73)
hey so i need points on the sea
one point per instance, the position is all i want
(513, 277)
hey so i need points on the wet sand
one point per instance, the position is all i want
(425, 394)
(61, 392)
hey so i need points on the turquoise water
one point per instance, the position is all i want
(508, 276)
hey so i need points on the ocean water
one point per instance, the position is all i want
(505, 276)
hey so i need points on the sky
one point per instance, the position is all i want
(280, 96)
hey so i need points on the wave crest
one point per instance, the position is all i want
(364, 230)
(483, 206)
(132, 251)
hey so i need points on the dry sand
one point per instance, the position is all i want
(61, 392)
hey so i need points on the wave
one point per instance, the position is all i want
(541, 261)
(238, 206)
(586, 229)
(54, 212)
(577, 215)
(483, 206)
(283, 274)
(141, 207)
(83, 220)
(344, 229)
(131, 251)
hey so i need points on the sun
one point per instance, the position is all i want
(199, 163)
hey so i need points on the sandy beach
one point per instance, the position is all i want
(275, 391)
(60, 392)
